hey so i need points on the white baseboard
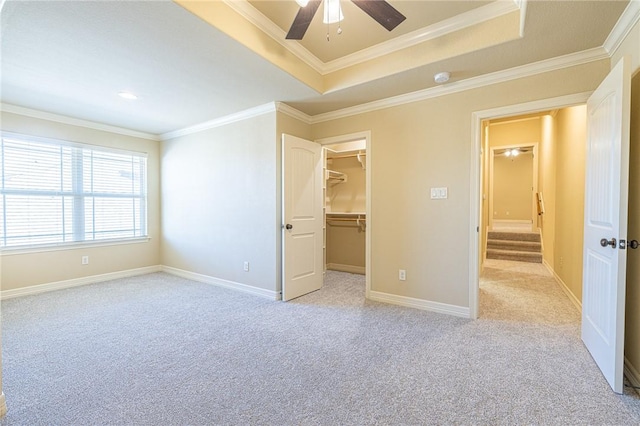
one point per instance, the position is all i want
(563, 286)
(631, 373)
(425, 305)
(346, 268)
(222, 283)
(59, 285)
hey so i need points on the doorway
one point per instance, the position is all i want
(479, 175)
(513, 185)
(558, 171)
(347, 204)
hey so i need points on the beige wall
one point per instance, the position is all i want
(512, 187)
(347, 196)
(23, 270)
(219, 202)
(508, 191)
(345, 245)
(547, 186)
(571, 126)
(485, 154)
(516, 131)
(428, 144)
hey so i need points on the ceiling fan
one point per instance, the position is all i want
(385, 14)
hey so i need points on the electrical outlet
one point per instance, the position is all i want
(85, 260)
(402, 275)
(246, 266)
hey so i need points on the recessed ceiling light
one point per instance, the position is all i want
(128, 95)
(442, 77)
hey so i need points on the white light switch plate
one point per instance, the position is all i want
(439, 193)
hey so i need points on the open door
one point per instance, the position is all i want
(302, 217)
(605, 223)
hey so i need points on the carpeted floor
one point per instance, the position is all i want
(158, 349)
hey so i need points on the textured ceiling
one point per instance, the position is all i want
(72, 57)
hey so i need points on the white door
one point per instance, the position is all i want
(605, 223)
(302, 217)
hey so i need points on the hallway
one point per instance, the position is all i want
(524, 292)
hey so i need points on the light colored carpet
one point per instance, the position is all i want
(158, 349)
(518, 246)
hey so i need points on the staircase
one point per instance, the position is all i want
(519, 246)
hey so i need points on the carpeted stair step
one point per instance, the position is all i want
(514, 245)
(519, 246)
(521, 256)
(514, 236)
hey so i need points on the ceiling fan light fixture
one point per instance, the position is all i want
(332, 12)
(302, 3)
(442, 77)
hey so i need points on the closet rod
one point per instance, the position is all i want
(345, 219)
(346, 155)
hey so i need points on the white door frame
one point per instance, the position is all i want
(492, 152)
(366, 135)
(475, 176)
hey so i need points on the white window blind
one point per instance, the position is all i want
(55, 193)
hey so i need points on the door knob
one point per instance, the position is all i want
(289, 226)
(604, 242)
(633, 244)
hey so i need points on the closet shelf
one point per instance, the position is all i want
(334, 176)
(359, 218)
(360, 156)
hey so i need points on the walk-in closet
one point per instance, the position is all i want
(345, 206)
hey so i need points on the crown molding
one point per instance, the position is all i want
(439, 29)
(528, 70)
(254, 16)
(63, 119)
(293, 113)
(221, 121)
(447, 26)
(630, 16)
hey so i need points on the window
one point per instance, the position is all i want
(55, 193)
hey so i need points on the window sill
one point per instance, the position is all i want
(12, 251)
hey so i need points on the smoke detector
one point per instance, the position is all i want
(442, 77)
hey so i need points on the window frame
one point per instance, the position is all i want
(75, 244)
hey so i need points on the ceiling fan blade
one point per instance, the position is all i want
(385, 14)
(302, 20)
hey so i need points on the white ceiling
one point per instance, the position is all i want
(73, 57)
